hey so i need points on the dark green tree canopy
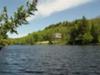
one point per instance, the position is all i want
(10, 23)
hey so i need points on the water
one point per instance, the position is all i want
(50, 60)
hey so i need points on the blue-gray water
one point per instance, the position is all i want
(50, 60)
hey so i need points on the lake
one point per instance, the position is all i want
(50, 60)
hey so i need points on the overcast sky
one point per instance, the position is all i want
(53, 11)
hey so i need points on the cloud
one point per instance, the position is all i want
(49, 7)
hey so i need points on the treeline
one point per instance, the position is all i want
(78, 32)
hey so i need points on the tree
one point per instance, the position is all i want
(78, 31)
(94, 33)
(87, 38)
(10, 23)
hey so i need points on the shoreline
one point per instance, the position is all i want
(1, 47)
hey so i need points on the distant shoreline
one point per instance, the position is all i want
(53, 45)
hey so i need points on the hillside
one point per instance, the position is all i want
(80, 31)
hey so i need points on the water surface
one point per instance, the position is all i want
(50, 60)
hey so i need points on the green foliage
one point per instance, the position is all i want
(10, 23)
(87, 38)
(78, 32)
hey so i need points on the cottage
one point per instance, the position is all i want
(57, 36)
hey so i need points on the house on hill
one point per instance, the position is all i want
(57, 36)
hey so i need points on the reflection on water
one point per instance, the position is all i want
(50, 60)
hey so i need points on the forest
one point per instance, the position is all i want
(78, 32)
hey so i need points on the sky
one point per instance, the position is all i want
(51, 12)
